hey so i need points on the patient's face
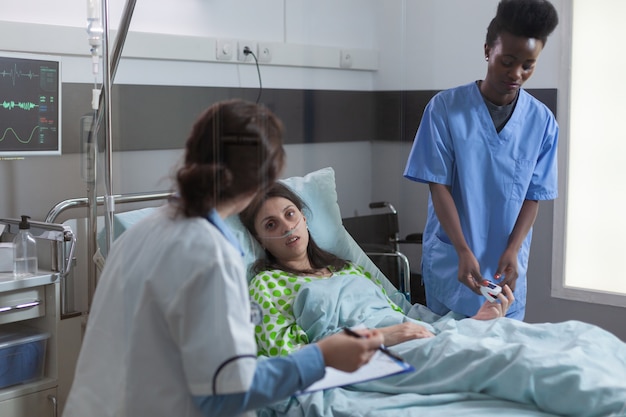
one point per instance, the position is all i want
(281, 229)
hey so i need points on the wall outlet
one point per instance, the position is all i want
(264, 53)
(224, 49)
(241, 56)
(345, 58)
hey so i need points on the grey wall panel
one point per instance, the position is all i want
(149, 117)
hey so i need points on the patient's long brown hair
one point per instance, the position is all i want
(318, 257)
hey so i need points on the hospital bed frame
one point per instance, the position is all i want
(378, 235)
(129, 201)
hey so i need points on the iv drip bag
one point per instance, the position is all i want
(94, 25)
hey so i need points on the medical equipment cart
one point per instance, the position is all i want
(30, 321)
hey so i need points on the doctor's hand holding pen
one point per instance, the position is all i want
(347, 353)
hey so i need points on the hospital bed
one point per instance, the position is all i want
(72, 213)
(451, 383)
(457, 369)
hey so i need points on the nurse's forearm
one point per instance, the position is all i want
(448, 215)
(274, 379)
(525, 220)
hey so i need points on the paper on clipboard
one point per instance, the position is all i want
(380, 365)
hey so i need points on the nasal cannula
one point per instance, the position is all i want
(287, 233)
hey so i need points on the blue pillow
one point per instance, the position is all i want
(121, 222)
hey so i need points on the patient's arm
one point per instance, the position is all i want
(359, 270)
(402, 332)
(277, 334)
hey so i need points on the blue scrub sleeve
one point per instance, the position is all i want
(274, 379)
(432, 155)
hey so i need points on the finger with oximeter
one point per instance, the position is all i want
(490, 291)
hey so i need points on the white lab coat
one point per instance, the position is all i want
(171, 308)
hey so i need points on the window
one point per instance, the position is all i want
(590, 215)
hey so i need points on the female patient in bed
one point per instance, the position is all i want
(306, 293)
(293, 261)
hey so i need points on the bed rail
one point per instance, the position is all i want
(68, 295)
(119, 199)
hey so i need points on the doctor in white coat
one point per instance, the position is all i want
(170, 331)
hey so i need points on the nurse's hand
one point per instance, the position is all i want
(469, 270)
(349, 353)
(498, 308)
(507, 266)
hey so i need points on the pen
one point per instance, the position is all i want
(382, 348)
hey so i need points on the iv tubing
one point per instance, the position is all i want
(109, 70)
(106, 87)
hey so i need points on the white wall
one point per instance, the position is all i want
(36, 184)
(410, 57)
(432, 45)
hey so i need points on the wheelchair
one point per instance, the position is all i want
(378, 235)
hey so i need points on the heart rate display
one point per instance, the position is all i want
(30, 99)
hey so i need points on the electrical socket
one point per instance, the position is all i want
(345, 58)
(224, 49)
(240, 48)
(265, 52)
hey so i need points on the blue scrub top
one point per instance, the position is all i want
(490, 175)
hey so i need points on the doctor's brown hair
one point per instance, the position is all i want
(235, 147)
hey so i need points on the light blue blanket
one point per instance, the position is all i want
(471, 368)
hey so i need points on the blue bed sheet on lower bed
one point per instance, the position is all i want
(341, 402)
(471, 368)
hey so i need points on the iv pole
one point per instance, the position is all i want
(104, 113)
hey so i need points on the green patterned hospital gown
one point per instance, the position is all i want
(275, 291)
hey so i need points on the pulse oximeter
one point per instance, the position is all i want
(490, 291)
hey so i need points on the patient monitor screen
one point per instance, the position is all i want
(30, 105)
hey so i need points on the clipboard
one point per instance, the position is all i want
(381, 365)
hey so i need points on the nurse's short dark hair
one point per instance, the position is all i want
(535, 19)
(235, 147)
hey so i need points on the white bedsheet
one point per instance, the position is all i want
(471, 368)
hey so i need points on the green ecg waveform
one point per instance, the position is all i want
(17, 73)
(24, 105)
(10, 129)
